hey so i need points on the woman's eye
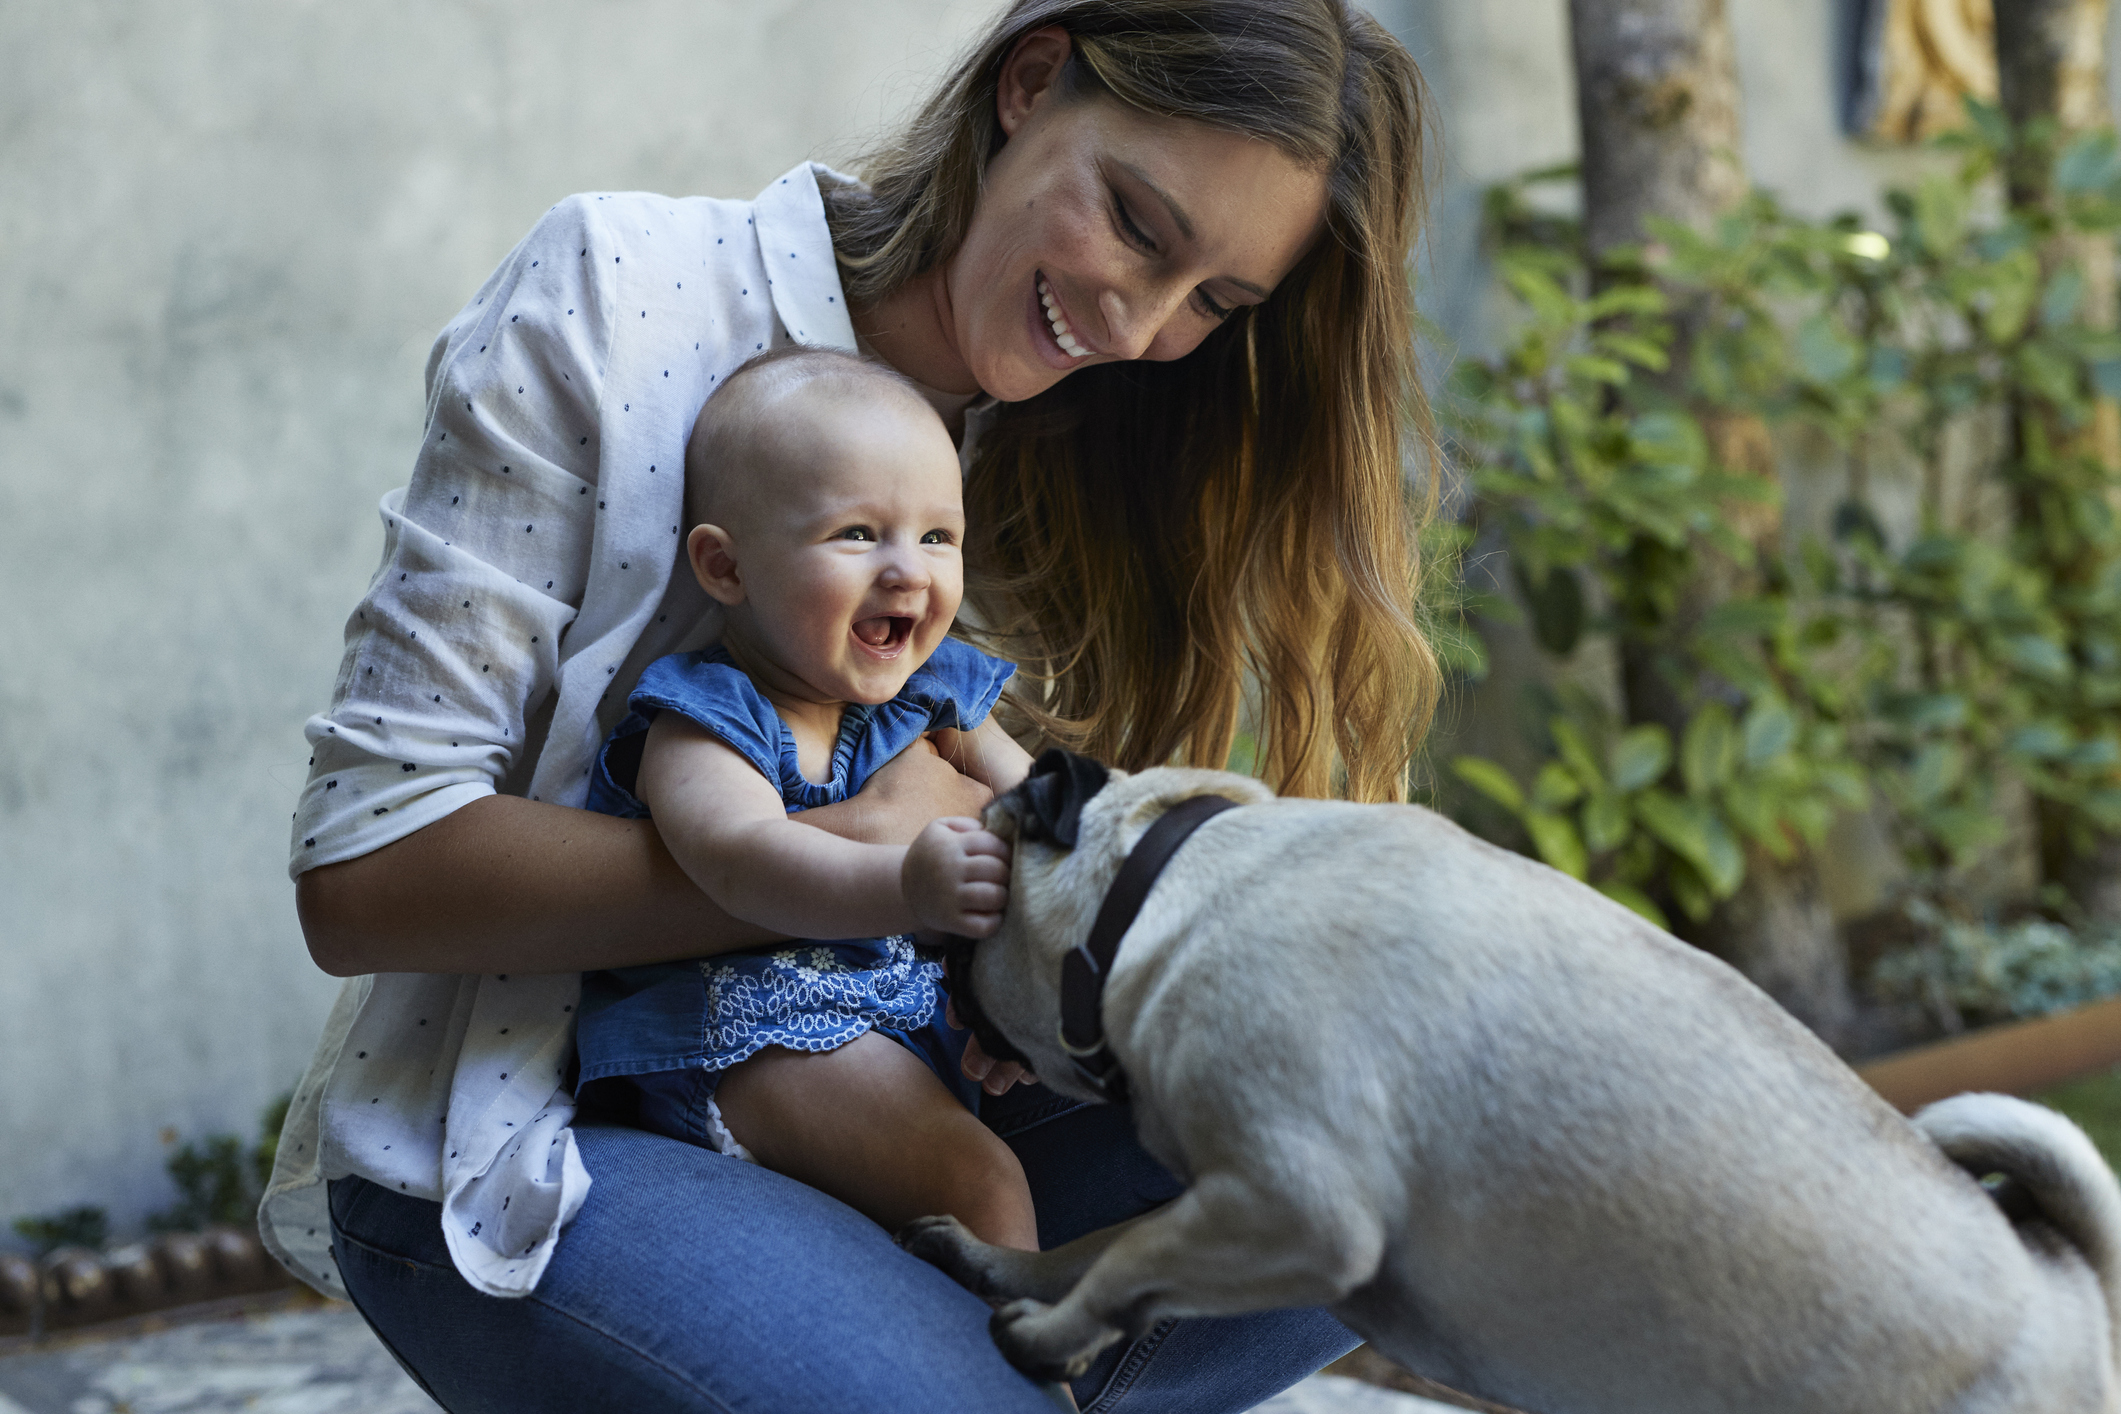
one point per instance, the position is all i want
(1209, 307)
(855, 532)
(1127, 224)
(938, 537)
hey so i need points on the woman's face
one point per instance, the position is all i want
(1103, 233)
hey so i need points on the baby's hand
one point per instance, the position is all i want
(956, 877)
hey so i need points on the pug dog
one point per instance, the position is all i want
(1522, 1141)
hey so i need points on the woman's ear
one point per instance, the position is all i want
(1029, 74)
(713, 557)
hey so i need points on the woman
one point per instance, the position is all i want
(1168, 237)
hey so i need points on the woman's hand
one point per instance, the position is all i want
(993, 1076)
(896, 804)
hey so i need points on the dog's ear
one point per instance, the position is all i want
(1054, 794)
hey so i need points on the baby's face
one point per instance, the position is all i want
(850, 547)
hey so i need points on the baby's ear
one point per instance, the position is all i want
(713, 556)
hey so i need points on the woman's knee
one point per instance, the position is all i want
(688, 1281)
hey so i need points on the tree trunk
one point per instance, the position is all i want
(1657, 102)
(1778, 930)
(2051, 64)
(2051, 61)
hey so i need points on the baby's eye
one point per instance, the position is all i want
(854, 532)
(938, 537)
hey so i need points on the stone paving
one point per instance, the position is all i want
(322, 1360)
(315, 1361)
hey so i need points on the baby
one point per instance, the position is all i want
(827, 520)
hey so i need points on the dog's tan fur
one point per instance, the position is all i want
(1522, 1141)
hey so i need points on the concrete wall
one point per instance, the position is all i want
(227, 234)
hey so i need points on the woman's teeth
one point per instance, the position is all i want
(1061, 335)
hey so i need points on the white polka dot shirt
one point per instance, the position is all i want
(526, 579)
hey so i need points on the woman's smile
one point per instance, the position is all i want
(1128, 236)
(1124, 235)
(1057, 325)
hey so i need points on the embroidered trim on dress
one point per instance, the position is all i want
(811, 998)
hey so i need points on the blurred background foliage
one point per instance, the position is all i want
(219, 1179)
(1956, 680)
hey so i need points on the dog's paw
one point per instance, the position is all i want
(1024, 1332)
(928, 1238)
(941, 1241)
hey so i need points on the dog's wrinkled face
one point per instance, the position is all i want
(1045, 808)
(1071, 822)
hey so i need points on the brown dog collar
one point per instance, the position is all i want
(1088, 965)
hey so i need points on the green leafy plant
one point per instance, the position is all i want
(1980, 972)
(219, 1179)
(1598, 473)
(2009, 596)
(1604, 808)
(1620, 445)
(84, 1226)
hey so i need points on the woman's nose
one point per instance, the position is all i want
(1132, 320)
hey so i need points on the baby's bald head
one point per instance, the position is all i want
(760, 425)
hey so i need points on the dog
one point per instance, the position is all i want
(1522, 1141)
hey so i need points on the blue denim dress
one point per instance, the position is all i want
(675, 1028)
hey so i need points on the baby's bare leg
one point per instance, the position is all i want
(872, 1126)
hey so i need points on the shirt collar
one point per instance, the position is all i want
(796, 245)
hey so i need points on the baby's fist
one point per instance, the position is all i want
(956, 877)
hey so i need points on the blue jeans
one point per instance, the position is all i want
(694, 1282)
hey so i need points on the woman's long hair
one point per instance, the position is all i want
(1148, 535)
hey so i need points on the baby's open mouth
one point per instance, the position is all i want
(886, 632)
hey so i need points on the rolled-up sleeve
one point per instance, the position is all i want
(454, 649)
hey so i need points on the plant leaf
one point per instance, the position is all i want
(1554, 787)
(1694, 832)
(1770, 730)
(1491, 781)
(1557, 842)
(1642, 755)
(1605, 820)
(1708, 751)
(1632, 897)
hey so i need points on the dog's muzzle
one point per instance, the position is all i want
(957, 977)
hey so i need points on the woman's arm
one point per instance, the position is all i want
(513, 885)
(987, 754)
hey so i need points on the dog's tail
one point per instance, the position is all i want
(2045, 1162)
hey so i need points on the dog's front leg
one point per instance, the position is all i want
(1225, 1247)
(1005, 1273)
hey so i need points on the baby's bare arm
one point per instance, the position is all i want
(725, 825)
